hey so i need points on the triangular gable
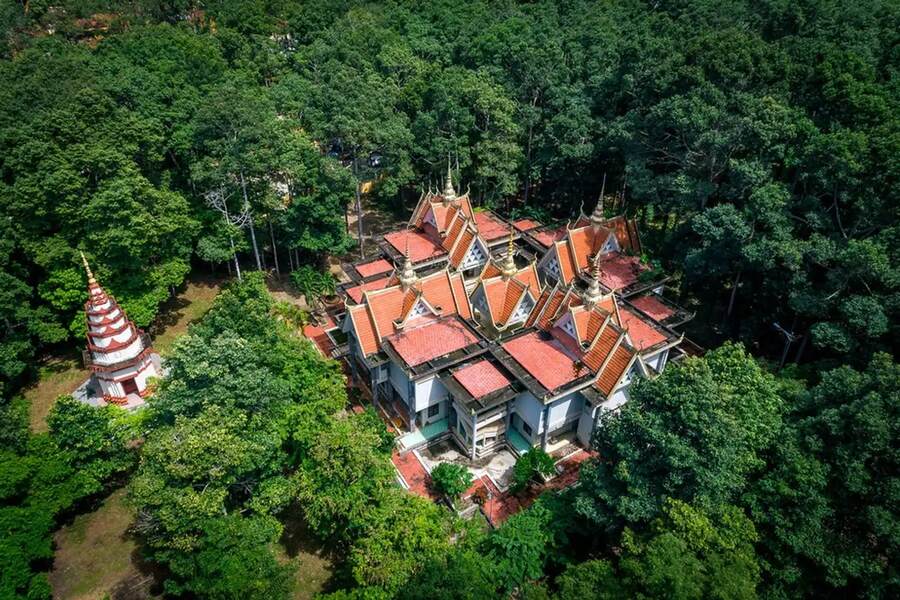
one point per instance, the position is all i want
(476, 255)
(523, 309)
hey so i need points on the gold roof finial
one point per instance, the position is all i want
(449, 192)
(593, 294)
(87, 268)
(508, 269)
(408, 274)
(597, 217)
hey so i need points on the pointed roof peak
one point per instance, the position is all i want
(87, 268)
(508, 268)
(594, 294)
(407, 275)
(597, 217)
(449, 192)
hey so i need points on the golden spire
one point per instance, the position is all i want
(593, 294)
(449, 192)
(87, 268)
(408, 274)
(508, 268)
(597, 217)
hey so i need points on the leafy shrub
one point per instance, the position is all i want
(451, 479)
(312, 283)
(531, 464)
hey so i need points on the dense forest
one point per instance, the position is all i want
(757, 144)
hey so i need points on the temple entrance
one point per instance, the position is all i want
(129, 387)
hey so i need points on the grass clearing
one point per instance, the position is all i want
(177, 314)
(315, 566)
(95, 556)
(56, 377)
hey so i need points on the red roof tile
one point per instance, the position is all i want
(618, 271)
(525, 224)
(431, 339)
(547, 237)
(643, 334)
(545, 360)
(481, 378)
(489, 226)
(356, 292)
(651, 305)
(374, 267)
(421, 247)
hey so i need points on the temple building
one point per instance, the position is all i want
(118, 354)
(503, 334)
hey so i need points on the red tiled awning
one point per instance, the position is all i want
(490, 227)
(620, 271)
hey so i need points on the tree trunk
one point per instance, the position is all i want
(800, 350)
(237, 266)
(359, 216)
(252, 228)
(291, 259)
(734, 288)
(274, 248)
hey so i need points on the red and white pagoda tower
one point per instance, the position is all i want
(118, 354)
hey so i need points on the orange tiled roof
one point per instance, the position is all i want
(365, 329)
(567, 270)
(539, 306)
(462, 247)
(615, 368)
(602, 346)
(375, 318)
(453, 233)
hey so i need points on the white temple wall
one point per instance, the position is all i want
(130, 351)
(112, 315)
(118, 338)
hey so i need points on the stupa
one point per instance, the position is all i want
(118, 354)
